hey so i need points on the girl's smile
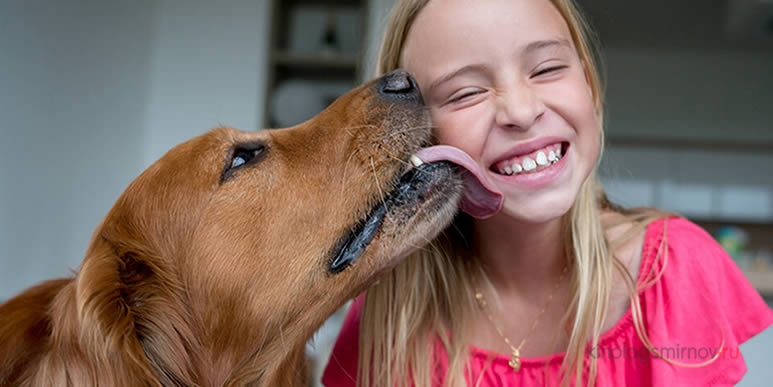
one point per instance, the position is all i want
(532, 170)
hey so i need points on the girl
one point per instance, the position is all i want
(560, 285)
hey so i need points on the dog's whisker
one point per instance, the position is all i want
(407, 130)
(412, 128)
(348, 128)
(399, 160)
(407, 163)
(346, 165)
(381, 193)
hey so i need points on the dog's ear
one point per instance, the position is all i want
(24, 329)
(106, 311)
(125, 301)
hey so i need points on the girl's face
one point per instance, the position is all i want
(504, 83)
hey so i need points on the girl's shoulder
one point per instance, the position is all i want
(696, 303)
(689, 256)
(688, 269)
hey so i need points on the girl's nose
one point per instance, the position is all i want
(518, 108)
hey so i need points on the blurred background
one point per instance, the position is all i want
(93, 91)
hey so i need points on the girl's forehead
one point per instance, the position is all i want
(448, 27)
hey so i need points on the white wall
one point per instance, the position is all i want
(72, 100)
(694, 93)
(91, 92)
(208, 69)
(715, 95)
(378, 12)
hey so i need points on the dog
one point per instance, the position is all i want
(217, 264)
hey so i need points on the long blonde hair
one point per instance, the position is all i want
(430, 296)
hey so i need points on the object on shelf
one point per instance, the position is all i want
(734, 240)
(315, 55)
(321, 30)
(763, 261)
(329, 44)
(761, 280)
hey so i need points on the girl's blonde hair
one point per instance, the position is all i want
(430, 296)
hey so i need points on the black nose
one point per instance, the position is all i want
(399, 84)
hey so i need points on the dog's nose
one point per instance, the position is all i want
(399, 84)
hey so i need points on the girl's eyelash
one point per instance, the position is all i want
(465, 95)
(549, 70)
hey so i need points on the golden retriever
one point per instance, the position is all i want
(220, 260)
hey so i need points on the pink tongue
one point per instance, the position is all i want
(480, 199)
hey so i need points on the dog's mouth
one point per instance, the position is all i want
(417, 187)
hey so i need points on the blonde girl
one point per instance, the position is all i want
(559, 286)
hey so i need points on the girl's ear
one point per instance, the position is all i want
(108, 305)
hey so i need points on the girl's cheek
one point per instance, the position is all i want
(447, 131)
(460, 128)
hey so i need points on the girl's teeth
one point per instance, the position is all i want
(542, 160)
(529, 164)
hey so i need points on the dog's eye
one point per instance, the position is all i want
(241, 156)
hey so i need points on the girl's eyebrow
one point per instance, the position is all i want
(548, 43)
(531, 47)
(453, 74)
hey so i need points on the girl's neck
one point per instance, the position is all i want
(521, 257)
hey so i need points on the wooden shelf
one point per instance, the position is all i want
(338, 61)
(682, 143)
(761, 280)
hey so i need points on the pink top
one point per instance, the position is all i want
(701, 297)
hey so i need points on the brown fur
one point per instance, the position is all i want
(194, 281)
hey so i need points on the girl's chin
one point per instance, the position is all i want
(536, 213)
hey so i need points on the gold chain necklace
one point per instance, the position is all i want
(515, 359)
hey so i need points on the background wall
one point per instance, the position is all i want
(692, 96)
(207, 69)
(93, 91)
(74, 79)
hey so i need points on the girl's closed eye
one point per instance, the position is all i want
(463, 96)
(549, 70)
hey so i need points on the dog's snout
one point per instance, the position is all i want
(399, 84)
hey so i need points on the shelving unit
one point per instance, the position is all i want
(298, 61)
(724, 145)
(760, 237)
(698, 177)
(316, 43)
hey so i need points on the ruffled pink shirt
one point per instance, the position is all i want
(701, 298)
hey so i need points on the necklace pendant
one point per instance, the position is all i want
(515, 361)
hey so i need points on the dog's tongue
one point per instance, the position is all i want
(480, 199)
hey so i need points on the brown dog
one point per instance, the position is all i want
(217, 263)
